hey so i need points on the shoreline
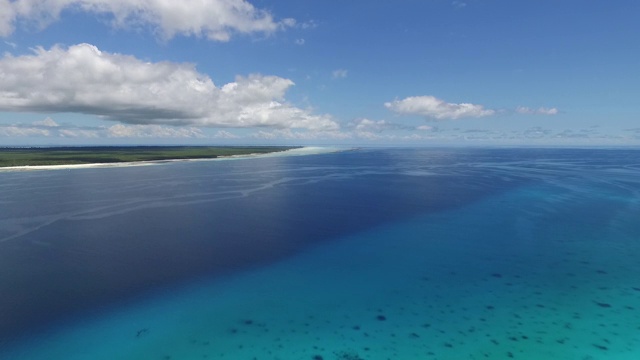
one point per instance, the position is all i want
(307, 150)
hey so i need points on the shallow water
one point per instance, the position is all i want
(375, 254)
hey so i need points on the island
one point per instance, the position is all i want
(48, 156)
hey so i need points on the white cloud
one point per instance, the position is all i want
(424, 128)
(299, 41)
(7, 17)
(536, 132)
(78, 133)
(289, 134)
(214, 19)
(368, 135)
(414, 137)
(538, 111)
(367, 125)
(20, 131)
(434, 108)
(83, 79)
(222, 134)
(311, 24)
(115, 131)
(340, 74)
(48, 122)
(152, 131)
(459, 4)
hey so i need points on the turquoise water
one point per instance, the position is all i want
(547, 269)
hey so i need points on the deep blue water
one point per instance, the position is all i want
(370, 254)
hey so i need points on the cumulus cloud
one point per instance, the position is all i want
(434, 108)
(41, 128)
(79, 133)
(20, 131)
(214, 19)
(369, 129)
(83, 79)
(372, 125)
(538, 111)
(48, 122)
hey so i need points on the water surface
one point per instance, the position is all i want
(371, 254)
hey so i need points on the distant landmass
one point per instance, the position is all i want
(44, 156)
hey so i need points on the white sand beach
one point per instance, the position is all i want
(307, 150)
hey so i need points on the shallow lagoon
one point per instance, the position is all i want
(373, 254)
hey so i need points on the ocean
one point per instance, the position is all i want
(355, 255)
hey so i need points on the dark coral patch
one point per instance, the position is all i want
(602, 304)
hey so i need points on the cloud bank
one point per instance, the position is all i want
(434, 108)
(51, 129)
(214, 19)
(152, 131)
(83, 79)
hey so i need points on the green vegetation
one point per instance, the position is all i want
(115, 154)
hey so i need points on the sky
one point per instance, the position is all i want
(320, 72)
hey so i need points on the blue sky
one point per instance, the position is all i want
(398, 73)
